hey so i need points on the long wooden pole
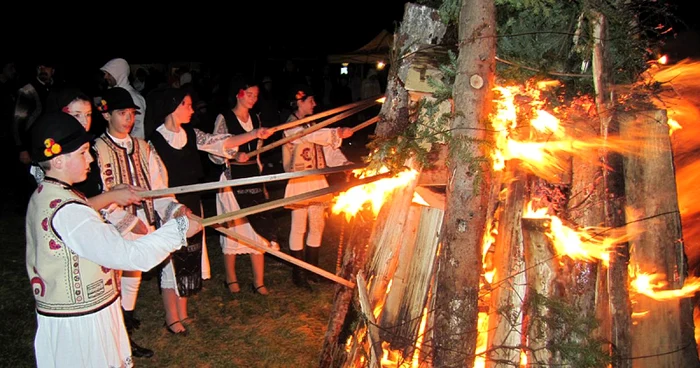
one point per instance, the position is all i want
(308, 130)
(365, 124)
(291, 124)
(246, 181)
(285, 201)
(263, 249)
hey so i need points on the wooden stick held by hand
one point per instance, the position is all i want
(292, 124)
(279, 254)
(286, 201)
(308, 130)
(245, 181)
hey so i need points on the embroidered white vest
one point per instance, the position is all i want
(64, 284)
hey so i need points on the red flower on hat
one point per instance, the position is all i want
(102, 106)
(300, 95)
(52, 148)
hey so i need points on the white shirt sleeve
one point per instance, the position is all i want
(158, 175)
(220, 128)
(84, 232)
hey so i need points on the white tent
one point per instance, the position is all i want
(378, 49)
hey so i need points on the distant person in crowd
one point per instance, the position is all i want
(116, 74)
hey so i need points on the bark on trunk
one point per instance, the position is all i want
(354, 258)
(420, 26)
(459, 269)
(613, 304)
(585, 208)
(663, 337)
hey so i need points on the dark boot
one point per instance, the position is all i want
(312, 259)
(136, 350)
(298, 274)
(130, 321)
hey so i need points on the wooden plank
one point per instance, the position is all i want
(416, 277)
(541, 273)
(508, 287)
(663, 337)
(400, 281)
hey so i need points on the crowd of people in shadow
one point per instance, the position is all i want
(101, 137)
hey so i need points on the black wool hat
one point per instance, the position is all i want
(56, 133)
(116, 98)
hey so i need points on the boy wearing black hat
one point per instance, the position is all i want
(124, 159)
(72, 251)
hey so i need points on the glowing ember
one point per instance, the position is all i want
(663, 60)
(375, 193)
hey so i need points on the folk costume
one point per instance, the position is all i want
(316, 150)
(72, 253)
(179, 152)
(131, 160)
(231, 199)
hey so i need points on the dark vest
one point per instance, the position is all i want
(249, 168)
(183, 165)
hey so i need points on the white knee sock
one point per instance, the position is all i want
(130, 290)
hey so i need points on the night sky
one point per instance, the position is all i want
(213, 31)
(199, 30)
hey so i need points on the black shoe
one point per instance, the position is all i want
(139, 351)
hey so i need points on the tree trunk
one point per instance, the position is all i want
(420, 26)
(459, 266)
(663, 337)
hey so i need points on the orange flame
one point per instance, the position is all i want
(581, 244)
(544, 151)
(375, 193)
(653, 284)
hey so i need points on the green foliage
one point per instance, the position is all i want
(570, 331)
(447, 9)
(556, 36)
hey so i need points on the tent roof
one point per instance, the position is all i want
(378, 49)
